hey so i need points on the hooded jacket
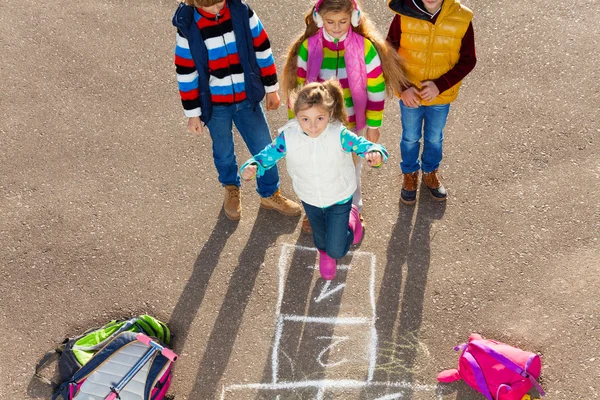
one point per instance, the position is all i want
(184, 20)
(432, 49)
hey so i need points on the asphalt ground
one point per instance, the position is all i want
(109, 208)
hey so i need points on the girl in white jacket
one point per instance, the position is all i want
(318, 150)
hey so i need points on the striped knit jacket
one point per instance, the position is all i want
(334, 66)
(226, 75)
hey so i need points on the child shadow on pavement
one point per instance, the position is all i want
(267, 228)
(399, 319)
(192, 295)
(185, 309)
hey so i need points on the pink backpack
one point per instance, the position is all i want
(496, 370)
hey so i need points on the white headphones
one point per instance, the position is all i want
(354, 19)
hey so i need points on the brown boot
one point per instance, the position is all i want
(306, 228)
(408, 194)
(279, 203)
(232, 204)
(432, 181)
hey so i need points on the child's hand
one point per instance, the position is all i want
(273, 101)
(373, 158)
(373, 135)
(410, 97)
(249, 172)
(195, 125)
(429, 90)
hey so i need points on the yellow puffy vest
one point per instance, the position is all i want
(431, 50)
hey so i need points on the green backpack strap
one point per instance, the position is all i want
(154, 327)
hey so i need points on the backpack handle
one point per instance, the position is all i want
(44, 361)
(510, 364)
(478, 374)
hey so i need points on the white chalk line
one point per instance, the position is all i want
(339, 267)
(389, 396)
(290, 361)
(275, 353)
(330, 384)
(285, 251)
(328, 320)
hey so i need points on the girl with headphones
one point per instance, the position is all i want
(340, 42)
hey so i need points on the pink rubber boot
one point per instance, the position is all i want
(355, 225)
(327, 266)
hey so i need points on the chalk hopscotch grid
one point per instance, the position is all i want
(324, 384)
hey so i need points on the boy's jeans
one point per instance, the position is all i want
(254, 129)
(427, 121)
(330, 228)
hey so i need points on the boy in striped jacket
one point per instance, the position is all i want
(224, 68)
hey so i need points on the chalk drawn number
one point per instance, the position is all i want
(326, 293)
(335, 341)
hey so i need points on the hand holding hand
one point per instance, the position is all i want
(273, 101)
(410, 97)
(373, 135)
(429, 90)
(195, 126)
(374, 158)
(249, 172)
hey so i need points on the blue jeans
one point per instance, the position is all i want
(427, 122)
(331, 232)
(251, 123)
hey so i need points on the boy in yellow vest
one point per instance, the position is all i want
(436, 39)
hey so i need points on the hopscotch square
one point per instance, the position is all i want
(312, 349)
(341, 314)
(350, 294)
(339, 320)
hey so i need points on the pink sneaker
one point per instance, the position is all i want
(355, 225)
(327, 266)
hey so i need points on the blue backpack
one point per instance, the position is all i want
(126, 359)
(131, 366)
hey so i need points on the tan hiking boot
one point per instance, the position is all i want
(279, 203)
(232, 204)
(408, 194)
(432, 181)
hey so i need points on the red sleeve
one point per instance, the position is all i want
(395, 32)
(465, 63)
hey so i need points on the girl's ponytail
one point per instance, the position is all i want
(338, 108)
(290, 69)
